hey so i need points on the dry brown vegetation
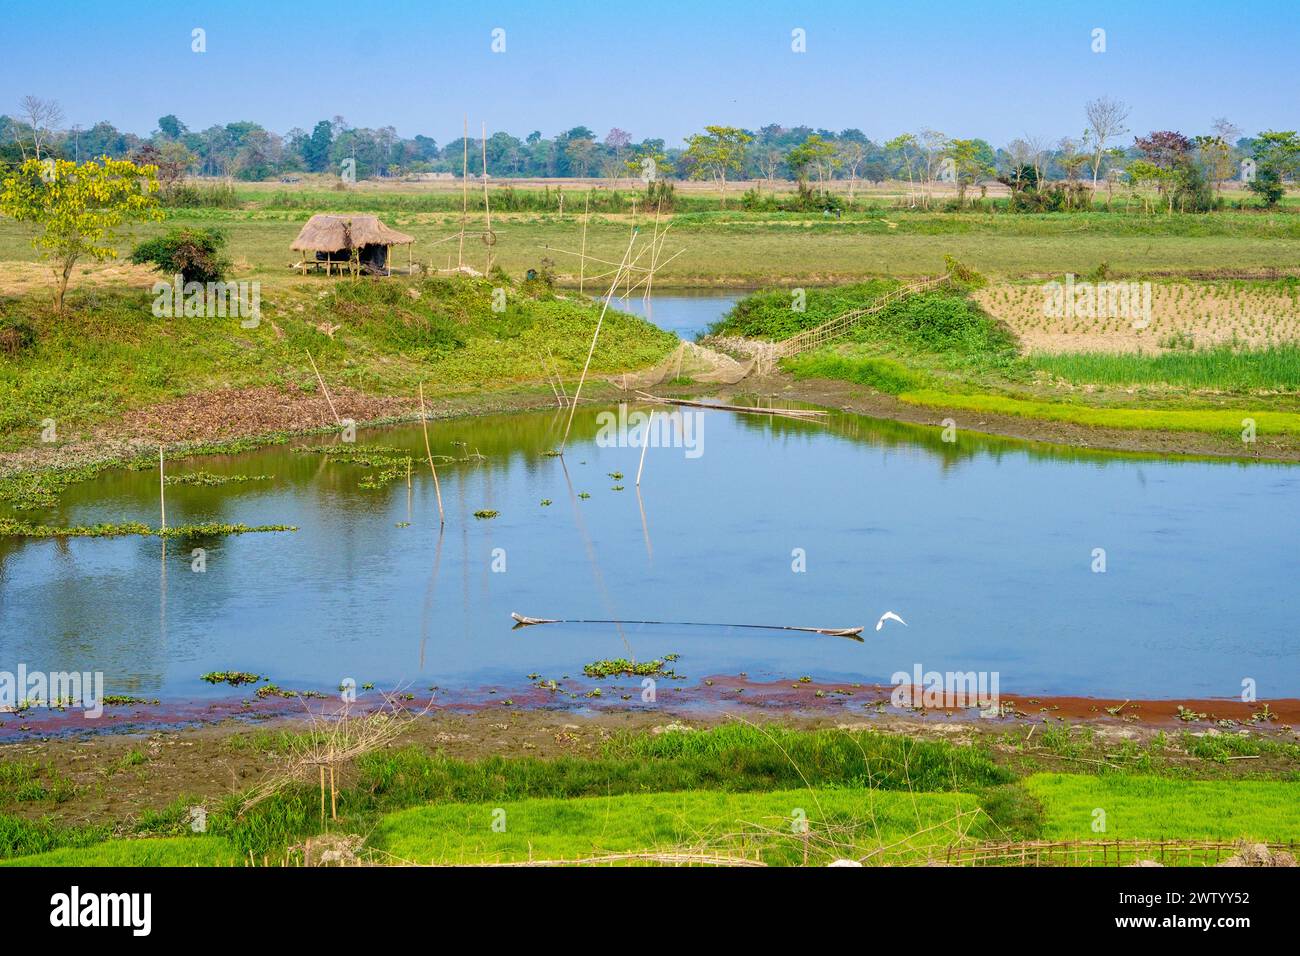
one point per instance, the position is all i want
(1184, 315)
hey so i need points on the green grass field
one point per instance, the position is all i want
(736, 248)
(883, 826)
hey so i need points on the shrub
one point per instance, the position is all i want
(193, 253)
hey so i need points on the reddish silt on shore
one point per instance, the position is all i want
(710, 695)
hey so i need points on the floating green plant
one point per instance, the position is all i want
(546, 502)
(233, 678)
(621, 666)
(207, 478)
(486, 513)
(125, 700)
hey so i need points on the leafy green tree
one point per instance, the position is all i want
(1276, 155)
(716, 152)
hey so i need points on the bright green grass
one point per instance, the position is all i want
(1154, 808)
(1224, 369)
(110, 354)
(162, 851)
(1220, 421)
(859, 821)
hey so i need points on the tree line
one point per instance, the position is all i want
(1185, 170)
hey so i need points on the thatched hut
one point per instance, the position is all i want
(349, 242)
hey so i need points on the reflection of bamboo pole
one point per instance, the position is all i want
(162, 490)
(592, 350)
(424, 424)
(487, 212)
(645, 443)
(338, 420)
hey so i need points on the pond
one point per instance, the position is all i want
(985, 547)
(687, 313)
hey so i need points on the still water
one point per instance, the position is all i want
(985, 548)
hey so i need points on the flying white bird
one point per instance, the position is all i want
(889, 616)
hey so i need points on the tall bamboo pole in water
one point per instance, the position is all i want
(437, 488)
(591, 351)
(162, 489)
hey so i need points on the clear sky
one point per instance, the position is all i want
(658, 68)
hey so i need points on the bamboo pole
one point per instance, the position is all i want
(162, 491)
(645, 443)
(582, 262)
(333, 410)
(487, 212)
(424, 424)
(464, 193)
(592, 350)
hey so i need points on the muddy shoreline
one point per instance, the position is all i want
(266, 415)
(709, 698)
(148, 758)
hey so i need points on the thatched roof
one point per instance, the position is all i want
(330, 233)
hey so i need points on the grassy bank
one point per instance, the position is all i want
(736, 790)
(942, 350)
(110, 355)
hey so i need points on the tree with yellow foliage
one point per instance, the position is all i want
(78, 207)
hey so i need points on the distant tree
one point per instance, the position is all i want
(43, 118)
(79, 207)
(971, 159)
(816, 152)
(579, 151)
(171, 127)
(171, 159)
(1276, 156)
(614, 160)
(716, 152)
(1106, 118)
(906, 148)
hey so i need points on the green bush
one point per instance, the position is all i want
(194, 254)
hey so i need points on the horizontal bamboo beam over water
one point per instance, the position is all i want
(852, 633)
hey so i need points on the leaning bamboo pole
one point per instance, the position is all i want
(437, 488)
(645, 443)
(592, 350)
(319, 379)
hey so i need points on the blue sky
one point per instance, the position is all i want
(994, 69)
